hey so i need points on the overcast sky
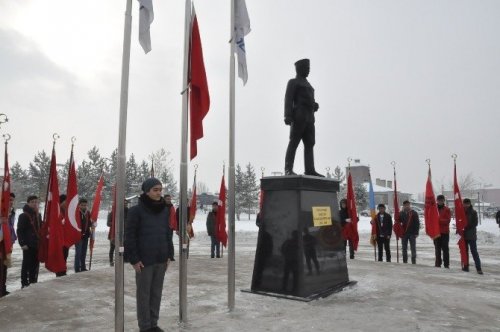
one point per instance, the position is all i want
(395, 80)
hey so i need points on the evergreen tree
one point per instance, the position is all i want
(239, 188)
(134, 177)
(361, 195)
(251, 190)
(164, 167)
(20, 182)
(38, 173)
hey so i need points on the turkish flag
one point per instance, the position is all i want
(52, 230)
(398, 228)
(199, 98)
(431, 213)
(5, 206)
(460, 219)
(173, 220)
(220, 227)
(351, 229)
(97, 200)
(72, 222)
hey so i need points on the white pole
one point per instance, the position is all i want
(120, 172)
(183, 175)
(231, 175)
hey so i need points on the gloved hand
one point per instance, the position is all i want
(288, 121)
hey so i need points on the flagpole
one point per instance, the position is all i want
(231, 173)
(120, 171)
(184, 171)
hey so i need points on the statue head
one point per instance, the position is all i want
(302, 67)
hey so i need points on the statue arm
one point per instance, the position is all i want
(290, 93)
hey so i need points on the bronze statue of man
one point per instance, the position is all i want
(299, 115)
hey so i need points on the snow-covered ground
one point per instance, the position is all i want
(388, 296)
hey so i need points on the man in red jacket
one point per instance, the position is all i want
(441, 243)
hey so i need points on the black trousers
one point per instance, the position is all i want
(384, 243)
(301, 131)
(111, 252)
(351, 248)
(29, 267)
(441, 244)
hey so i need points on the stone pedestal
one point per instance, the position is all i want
(294, 257)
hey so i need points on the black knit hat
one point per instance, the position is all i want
(150, 183)
(440, 197)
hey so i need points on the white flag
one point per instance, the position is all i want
(146, 17)
(241, 29)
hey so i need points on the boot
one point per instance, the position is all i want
(414, 260)
(465, 268)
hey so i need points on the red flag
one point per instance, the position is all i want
(351, 229)
(97, 200)
(192, 210)
(199, 98)
(397, 227)
(5, 205)
(431, 213)
(72, 222)
(460, 219)
(220, 228)
(52, 230)
(173, 219)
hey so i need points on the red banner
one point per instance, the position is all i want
(431, 213)
(72, 222)
(221, 215)
(460, 219)
(5, 207)
(397, 227)
(350, 230)
(94, 214)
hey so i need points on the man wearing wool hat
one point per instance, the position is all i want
(148, 243)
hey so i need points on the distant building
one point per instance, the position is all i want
(487, 195)
(360, 173)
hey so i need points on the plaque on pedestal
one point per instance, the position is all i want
(300, 251)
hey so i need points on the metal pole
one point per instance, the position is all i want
(120, 172)
(183, 172)
(231, 175)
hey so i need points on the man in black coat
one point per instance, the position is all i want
(470, 235)
(81, 247)
(384, 232)
(212, 231)
(344, 219)
(498, 218)
(299, 115)
(28, 235)
(148, 239)
(411, 226)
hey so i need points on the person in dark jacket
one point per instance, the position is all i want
(148, 239)
(470, 235)
(441, 243)
(344, 219)
(212, 231)
(498, 218)
(28, 236)
(411, 226)
(384, 232)
(81, 247)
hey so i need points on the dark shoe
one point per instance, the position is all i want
(83, 270)
(172, 259)
(446, 267)
(388, 261)
(212, 256)
(480, 272)
(351, 257)
(314, 173)
(289, 172)
(156, 329)
(218, 256)
(465, 269)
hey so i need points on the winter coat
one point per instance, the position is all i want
(444, 219)
(12, 218)
(410, 221)
(28, 227)
(470, 231)
(498, 218)
(86, 223)
(148, 237)
(343, 214)
(384, 225)
(211, 223)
